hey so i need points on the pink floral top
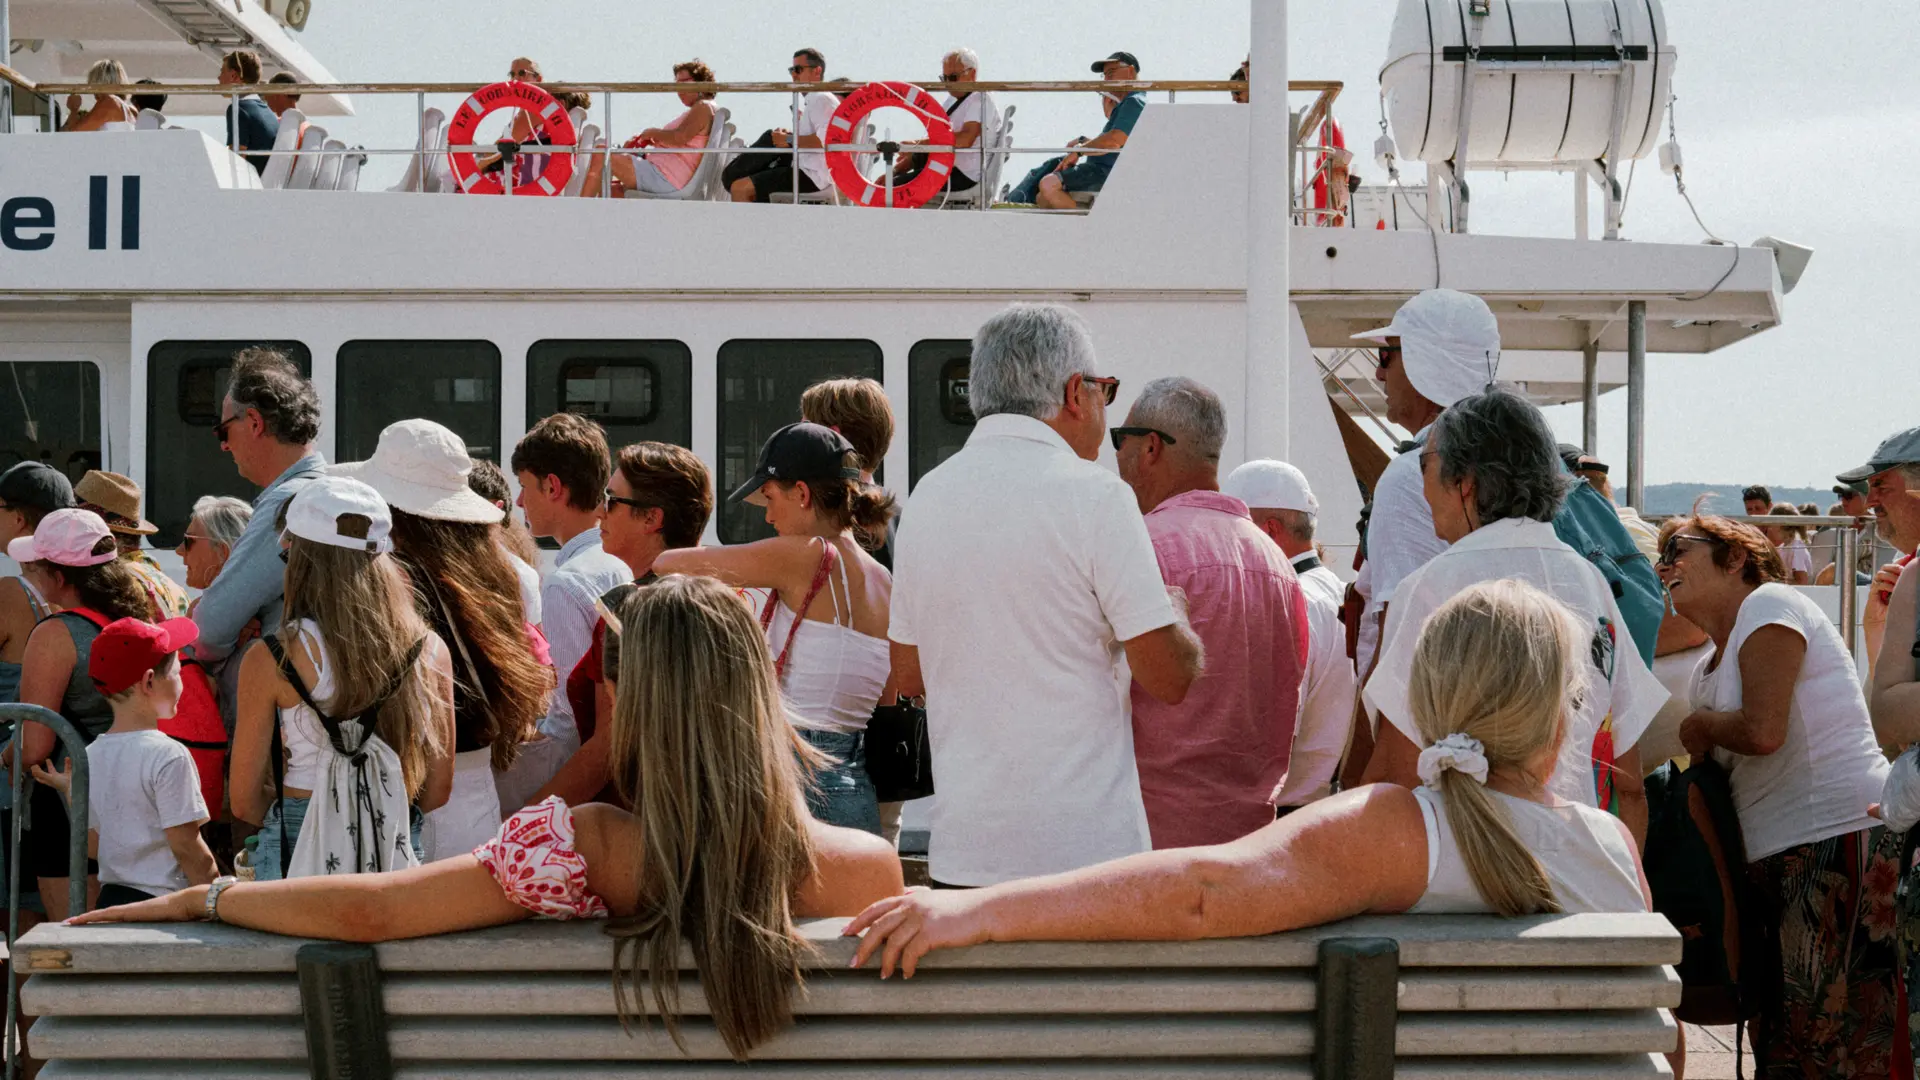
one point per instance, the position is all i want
(533, 859)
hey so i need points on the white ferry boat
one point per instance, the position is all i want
(121, 299)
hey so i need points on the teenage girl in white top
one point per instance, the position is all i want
(826, 617)
(1492, 679)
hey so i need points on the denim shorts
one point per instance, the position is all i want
(266, 854)
(840, 793)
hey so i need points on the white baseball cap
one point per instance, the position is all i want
(65, 538)
(1449, 343)
(1266, 484)
(421, 467)
(316, 510)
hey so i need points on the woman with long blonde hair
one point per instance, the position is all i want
(719, 849)
(1494, 675)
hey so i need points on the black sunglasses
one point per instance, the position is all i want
(617, 500)
(220, 429)
(1119, 434)
(1387, 355)
(1670, 551)
(1108, 385)
(944, 77)
(798, 68)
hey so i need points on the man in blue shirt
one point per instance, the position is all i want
(1052, 184)
(259, 127)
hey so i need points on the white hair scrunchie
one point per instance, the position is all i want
(1461, 753)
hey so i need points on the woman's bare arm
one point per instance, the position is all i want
(778, 562)
(699, 121)
(439, 785)
(256, 701)
(45, 670)
(1770, 662)
(1894, 697)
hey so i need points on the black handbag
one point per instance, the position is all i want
(899, 756)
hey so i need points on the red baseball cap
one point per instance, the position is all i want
(129, 648)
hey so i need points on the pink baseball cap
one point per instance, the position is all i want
(65, 538)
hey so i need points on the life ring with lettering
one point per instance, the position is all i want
(546, 112)
(1330, 176)
(845, 127)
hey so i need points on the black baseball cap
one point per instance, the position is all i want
(38, 485)
(800, 452)
(1124, 57)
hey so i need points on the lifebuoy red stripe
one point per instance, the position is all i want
(853, 111)
(555, 124)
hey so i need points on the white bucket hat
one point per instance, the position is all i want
(421, 467)
(315, 511)
(1449, 343)
(1266, 484)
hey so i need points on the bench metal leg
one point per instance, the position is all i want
(345, 1012)
(1357, 1009)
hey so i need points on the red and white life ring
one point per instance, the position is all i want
(845, 126)
(548, 113)
(1330, 176)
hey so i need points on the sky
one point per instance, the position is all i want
(1787, 113)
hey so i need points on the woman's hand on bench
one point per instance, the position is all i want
(187, 905)
(907, 927)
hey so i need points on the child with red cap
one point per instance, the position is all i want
(144, 808)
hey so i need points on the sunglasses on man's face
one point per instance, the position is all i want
(1386, 357)
(523, 74)
(220, 429)
(1108, 386)
(798, 68)
(1120, 435)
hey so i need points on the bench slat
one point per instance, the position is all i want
(175, 1070)
(1614, 1067)
(1589, 940)
(1471, 990)
(160, 1038)
(1493, 1034)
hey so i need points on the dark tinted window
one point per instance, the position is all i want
(637, 390)
(50, 411)
(186, 382)
(760, 386)
(456, 383)
(937, 401)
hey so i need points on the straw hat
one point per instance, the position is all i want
(119, 497)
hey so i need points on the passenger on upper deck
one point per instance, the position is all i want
(257, 126)
(663, 173)
(280, 103)
(1053, 183)
(1024, 580)
(107, 108)
(144, 102)
(269, 421)
(1240, 74)
(1209, 763)
(116, 499)
(1494, 677)
(974, 120)
(755, 177)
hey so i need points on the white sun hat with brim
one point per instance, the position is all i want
(315, 511)
(421, 467)
(1449, 342)
(1266, 484)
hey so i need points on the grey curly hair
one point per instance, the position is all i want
(1501, 440)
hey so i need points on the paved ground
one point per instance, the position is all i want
(1710, 1054)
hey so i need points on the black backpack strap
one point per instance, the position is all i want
(276, 754)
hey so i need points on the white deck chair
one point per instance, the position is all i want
(350, 164)
(707, 173)
(586, 138)
(280, 165)
(327, 176)
(306, 164)
(439, 172)
(149, 120)
(998, 143)
(830, 195)
(431, 121)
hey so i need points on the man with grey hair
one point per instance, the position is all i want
(1023, 594)
(975, 122)
(1283, 506)
(1494, 481)
(1208, 763)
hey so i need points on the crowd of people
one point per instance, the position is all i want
(1153, 711)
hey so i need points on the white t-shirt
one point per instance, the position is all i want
(1024, 570)
(1820, 782)
(142, 783)
(1326, 692)
(1588, 857)
(816, 110)
(1798, 558)
(975, 108)
(1400, 540)
(1625, 694)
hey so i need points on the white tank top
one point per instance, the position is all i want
(834, 673)
(300, 730)
(1582, 849)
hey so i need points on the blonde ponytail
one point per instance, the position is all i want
(1500, 664)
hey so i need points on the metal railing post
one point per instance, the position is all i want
(420, 125)
(233, 123)
(1590, 394)
(1636, 403)
(793, 144)
(76, 747)
(606, 155)
(1846, 556)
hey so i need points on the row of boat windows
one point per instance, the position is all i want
(636, 389)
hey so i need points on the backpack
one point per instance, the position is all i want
(1696, 861)
(1588, 523)
(196, 725)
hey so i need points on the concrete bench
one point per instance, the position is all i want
(1425, 997)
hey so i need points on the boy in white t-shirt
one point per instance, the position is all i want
(144, 808)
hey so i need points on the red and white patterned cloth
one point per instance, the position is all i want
(533, 859)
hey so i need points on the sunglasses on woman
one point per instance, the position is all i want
(1670, 551)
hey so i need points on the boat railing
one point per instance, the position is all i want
(1308, 162)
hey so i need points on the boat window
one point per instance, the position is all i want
(760, 386)
(186, 382)
(456, 383)
(50, 411)
(637, 390)
(941, 414)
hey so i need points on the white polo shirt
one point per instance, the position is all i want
(1400, 540)
(816, 110)
(1625, 695)
(1326, 692)
(975, 108)
(1020, 572)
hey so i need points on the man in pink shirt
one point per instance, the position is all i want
(1208, 765)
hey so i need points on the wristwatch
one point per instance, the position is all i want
(218, 886)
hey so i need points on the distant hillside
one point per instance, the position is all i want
(1678, 498)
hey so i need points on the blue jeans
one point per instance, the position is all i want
(1086, 176)
(840, 793)
(266, 854)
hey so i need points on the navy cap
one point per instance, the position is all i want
(38, 485)
(1123, 57)
(800, 452)
(1899, 449)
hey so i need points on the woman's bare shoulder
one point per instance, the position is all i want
(851, 869)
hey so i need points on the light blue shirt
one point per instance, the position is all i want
(581, 575)
(251, 585)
